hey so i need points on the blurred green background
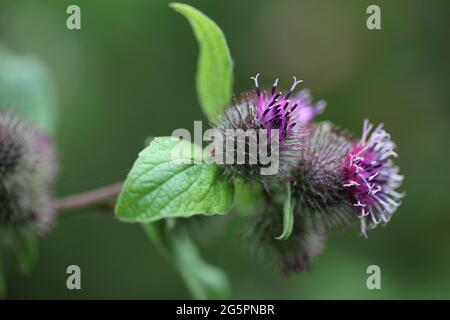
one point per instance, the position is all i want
(128, 74)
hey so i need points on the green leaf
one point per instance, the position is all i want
(215, 67)
(203, 280)
(247, 198)
(27, 250)
(164, 185)
(26, 86)
(288, 216)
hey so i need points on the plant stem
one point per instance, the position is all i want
(88, 198)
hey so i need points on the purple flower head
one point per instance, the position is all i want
(371, 178)
(317, 180)
(278, 121)
(275, 110)
(28, 167)
(285, 112)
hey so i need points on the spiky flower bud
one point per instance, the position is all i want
(291, 255)
(28, 166)
(317, 180)
(371, 178)
(281, 117)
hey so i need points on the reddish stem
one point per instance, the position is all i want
(89, 197)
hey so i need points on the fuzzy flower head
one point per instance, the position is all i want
(28, 166)
(317, 179)
(294, 254)
(284, 112)
(282, 116)
(371, 178)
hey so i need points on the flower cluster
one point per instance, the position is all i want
(335, 180)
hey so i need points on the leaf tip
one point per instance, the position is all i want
(177, 6)
(288, 216)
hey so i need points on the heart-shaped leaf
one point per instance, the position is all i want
(169, 180)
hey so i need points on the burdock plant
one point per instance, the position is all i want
(326, 180)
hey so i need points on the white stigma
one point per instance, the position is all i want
(255, 79)
(295, 83)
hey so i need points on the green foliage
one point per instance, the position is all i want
(203, 280)
(215, 67)
(288, 215)
(26, 86)
(169, 180)
(26, 248)
(248, 198)
(161, 185)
